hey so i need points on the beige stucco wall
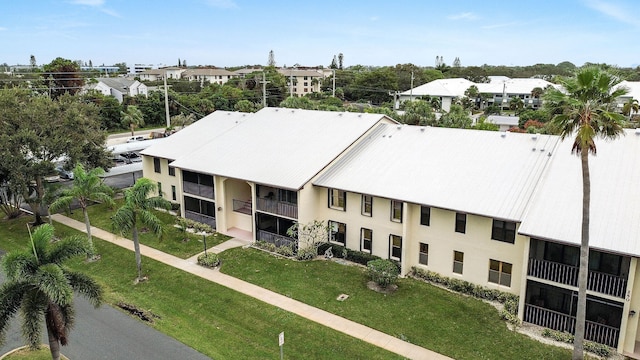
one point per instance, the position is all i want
(629, 333)
(163, 177)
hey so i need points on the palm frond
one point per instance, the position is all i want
(32, 309)
(19, 264)
(67, 248)
(85, 286)
(50, 280)
(62, 202)
(124, 219)
(11, 295)
(42, 236)
(152, 221)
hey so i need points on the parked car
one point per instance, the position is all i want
(64, 174)
(130, 157)
(136, 138)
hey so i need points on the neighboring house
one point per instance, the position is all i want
(501, 210)
(499, 91)
(158, 74)
(101, 69)
(246, 71)
(633, 88)
(447, 90)
(504, 122)
(213, 76)
(302, 82)
(118, 87)
(139, 68)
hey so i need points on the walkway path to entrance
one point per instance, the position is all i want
(319, 316)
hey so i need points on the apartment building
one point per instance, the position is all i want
(501, 210)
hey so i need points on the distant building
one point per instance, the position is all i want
(118, 87)
(212, 76)
(102, 69)
(302, 82)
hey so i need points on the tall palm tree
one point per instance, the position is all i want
(137, 209)
(516, 104)
(132, 118)
(42, 288)
(87, 187)
(585, 111)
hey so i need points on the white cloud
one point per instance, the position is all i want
(463, 16)
(614, 11)
(224, 4)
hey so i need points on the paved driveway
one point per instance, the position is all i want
(107, 333)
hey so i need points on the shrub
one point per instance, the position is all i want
(175, 207)
(209, 260)
(383, 272)
(360, 257)
(468, 288)
(285, 250)
(590, 346)
(339, 251)
(307, 253)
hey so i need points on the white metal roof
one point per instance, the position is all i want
(513, 86)
(441, 87)
(277, 146)
(196, 135)
(133, 146)
(556, 210)
(503, 120)
(481, 172)
(123, 169)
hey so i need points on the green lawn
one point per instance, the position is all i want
(25, 354)
(455, 325)
(220, 323)
(173, 241)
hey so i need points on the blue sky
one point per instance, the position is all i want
(239, 32)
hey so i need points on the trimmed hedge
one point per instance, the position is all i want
(209, 260)
(383, 272)
(590, 346)
(339, 251)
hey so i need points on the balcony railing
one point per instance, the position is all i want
(278, 207)
(594, 331)
(243, 207)
(568, 275)
(197, 189)
(278, 240)
(211, 221)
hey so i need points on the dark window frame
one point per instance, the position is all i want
(501, 231)
(461, 223)
(459, 262)
(395, 252)
(423, 254)
(156, 165)
(396, 207)
(499, 275)
(363, 240)
(332, 234)
(337, 195)
(364, 203)
(425, 215)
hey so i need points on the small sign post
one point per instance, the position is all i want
(280, 343)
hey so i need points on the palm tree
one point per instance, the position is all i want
(87, 187)
(585, 111)
(516, 104)
(137, 208)
(42, 288)
(132, 118)
(630, 107)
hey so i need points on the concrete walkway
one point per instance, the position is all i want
(319, 316)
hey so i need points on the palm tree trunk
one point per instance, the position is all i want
(132, 128)
(136, 246)
(578, 343)
(54, 344)
(92, 250)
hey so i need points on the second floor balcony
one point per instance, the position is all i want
(278, 207)
(568, 275)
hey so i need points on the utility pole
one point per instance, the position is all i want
(333, 93)
(166, 100)
(411, 91)
(264, 90)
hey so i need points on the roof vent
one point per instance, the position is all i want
(534, 137)
(276, 109)
(637, 131)
(503, 134)
(549, 154)
(534, 149)
(399, 127)
(292, 111)
(359, 115)
(422, 129)
(541, 149)
(339, 114)
(389, 136)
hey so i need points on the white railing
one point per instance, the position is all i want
(600, 333)
(568, 275)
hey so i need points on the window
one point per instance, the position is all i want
(337, 232)
(366, 239)
(500, 272)
(173, 193)
(156, 165)
(396, 211)
(504, 231)
(461, 222)
(395, 243)
(458, 261)
(337, 199)
(425, 215)
(159, 189)
(367, 205)
(423, 258)
(172, 171)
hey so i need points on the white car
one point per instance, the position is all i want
(135, 138)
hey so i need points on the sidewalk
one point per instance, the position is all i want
(319, 316)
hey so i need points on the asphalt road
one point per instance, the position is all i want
(107, 333)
